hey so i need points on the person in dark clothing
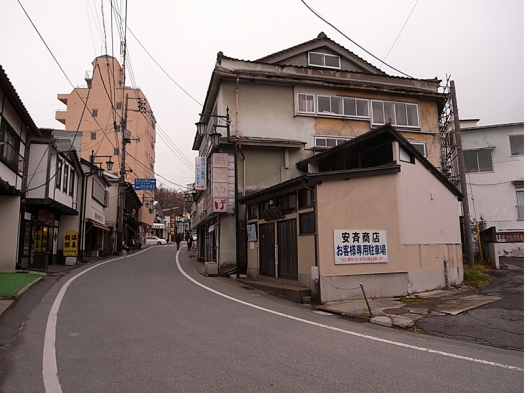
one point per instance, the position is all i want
(178, 240)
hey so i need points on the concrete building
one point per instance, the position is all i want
(99, 110)
(494, 172)
(283, 109)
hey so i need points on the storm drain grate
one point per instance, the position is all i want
(247, 287)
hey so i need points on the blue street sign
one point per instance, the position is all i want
(145, 184)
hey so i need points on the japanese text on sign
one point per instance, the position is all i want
(200, 173)
(360, 246)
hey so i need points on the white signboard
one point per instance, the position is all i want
(200, 173)
(220, 182)
(360, 246)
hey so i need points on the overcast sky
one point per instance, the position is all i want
(479, 43)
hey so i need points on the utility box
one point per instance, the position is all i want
(211, 268)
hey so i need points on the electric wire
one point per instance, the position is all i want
(402, 28)
(352, 41)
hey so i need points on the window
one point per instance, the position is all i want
(252, 212)
(116, 151)
(66, 174)
(93, 136)
(305, 103)
(395, 113)
(329, 141)
(478, 160)
(355, 107)
(94, 112)
(71, 181)
(98, 193)
(305, 198)
(287, 203)
(9, 150)
(324, 60)
(516, 145)
(117, 127)
(421, 147)
(519, 206)
(306, 223)
(118, 106)
(59, 174)
(332, 105)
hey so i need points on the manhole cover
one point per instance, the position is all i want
(395, 310)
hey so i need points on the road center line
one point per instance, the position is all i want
(365, 336)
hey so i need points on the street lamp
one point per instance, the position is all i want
(215, 137)
(100, 170)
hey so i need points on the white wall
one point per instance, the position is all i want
(37, 171)
(492, 195)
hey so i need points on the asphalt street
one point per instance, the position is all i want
(498, 324)
(149, 323)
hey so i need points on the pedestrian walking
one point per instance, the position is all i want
(178, 240)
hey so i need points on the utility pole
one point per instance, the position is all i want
(462, 178)
(122, 180)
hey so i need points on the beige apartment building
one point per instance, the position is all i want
(99, 111)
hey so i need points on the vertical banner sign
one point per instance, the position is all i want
(200, 173)
(71, 244)
(220, 182)
(360, 246)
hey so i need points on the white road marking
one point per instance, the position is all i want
(49, 360)
(422, 349)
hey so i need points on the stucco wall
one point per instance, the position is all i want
(421, 234)
(365, 203)
(428, 211)
(10, 213)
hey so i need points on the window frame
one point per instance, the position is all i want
(337, 106)
(513, 151)
(519, 208)
(306, 96)
(324, 56)
(393, 109)
(58, 174)
(311, 225)
(469, 168)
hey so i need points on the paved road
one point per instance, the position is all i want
(498, 324)
(146, 323)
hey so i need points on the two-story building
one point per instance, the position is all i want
(276, 113)
(16, 128)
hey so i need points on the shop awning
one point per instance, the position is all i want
(98, 224)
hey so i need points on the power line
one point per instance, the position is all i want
(402, 28)
(349, 39)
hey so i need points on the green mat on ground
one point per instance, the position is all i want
(11, 283)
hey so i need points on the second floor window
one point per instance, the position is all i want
(59, 174)
(516, 145)
(93, 136)
(395, 113)
(478, 160)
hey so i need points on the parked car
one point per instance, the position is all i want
(152, 240)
